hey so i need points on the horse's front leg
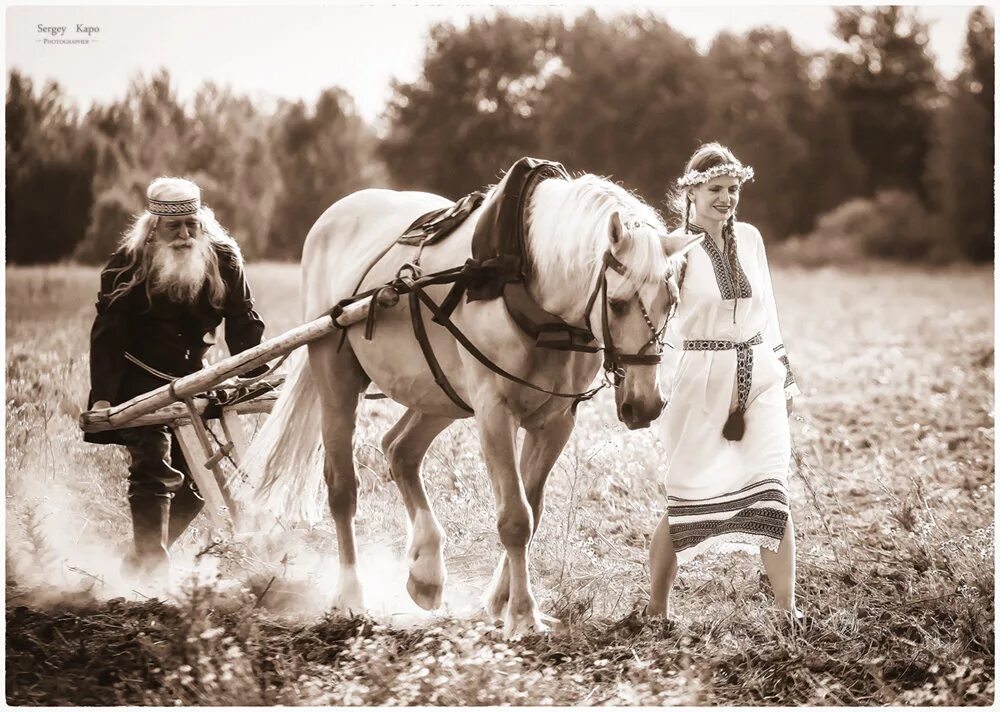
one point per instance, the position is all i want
(497, 432)
(542, 446)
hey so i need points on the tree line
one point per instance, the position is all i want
(868, 142)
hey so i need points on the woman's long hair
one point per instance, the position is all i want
(139, 256)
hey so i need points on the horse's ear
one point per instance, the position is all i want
(617, 229)
(676, 245)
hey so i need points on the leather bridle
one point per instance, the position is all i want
(615, 359)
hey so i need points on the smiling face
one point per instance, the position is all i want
(715, 201)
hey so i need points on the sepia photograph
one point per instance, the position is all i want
(500, 354)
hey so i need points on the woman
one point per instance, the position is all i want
(725, 430)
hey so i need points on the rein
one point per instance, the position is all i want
(409, 281)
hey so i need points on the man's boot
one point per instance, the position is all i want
(149, 558)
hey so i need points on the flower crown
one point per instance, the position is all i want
(736, 170)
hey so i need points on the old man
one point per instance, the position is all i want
(175, 277)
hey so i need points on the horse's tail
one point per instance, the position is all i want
(282, 470)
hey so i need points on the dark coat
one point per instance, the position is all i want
(167, 336)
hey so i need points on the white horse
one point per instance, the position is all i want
(574, 229)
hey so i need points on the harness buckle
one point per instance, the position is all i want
(408, 270)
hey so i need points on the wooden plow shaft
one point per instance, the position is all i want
(129, 413)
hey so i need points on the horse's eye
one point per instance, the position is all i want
(618, 306)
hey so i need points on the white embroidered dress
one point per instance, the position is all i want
(733, 493)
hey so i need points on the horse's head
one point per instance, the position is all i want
(640, 292)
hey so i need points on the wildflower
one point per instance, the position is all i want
(212, 633)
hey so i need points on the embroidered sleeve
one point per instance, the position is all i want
(772, 332)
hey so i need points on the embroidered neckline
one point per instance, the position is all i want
(729, 274)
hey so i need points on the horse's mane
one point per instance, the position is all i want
(568, 223)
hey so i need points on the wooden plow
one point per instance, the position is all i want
(188, 404)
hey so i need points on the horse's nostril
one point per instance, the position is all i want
(626, 411)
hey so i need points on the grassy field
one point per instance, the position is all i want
(892, 487)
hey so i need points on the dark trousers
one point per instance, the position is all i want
(158, 469)
(158, 466)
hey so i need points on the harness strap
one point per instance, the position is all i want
(414, 285)
(425, 345)
(370, 321)
(441, 318)
(334, 313)
(454, 297)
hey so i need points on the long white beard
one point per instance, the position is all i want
(180, 274)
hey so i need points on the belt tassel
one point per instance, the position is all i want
(735, 426)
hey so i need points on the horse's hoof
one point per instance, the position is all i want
(519, 626)
(425, 595)
(496, 608)
(349, 610)
(654, 614)
(798, 620)
(349, 599)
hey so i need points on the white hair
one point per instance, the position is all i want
(140, 254)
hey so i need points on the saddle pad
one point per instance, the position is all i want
(436, 225)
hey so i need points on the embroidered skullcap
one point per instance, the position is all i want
(168, 197)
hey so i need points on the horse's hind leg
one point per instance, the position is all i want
(542, 447)
(341, 381)
(405, 446)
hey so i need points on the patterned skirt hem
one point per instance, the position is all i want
(730, 541)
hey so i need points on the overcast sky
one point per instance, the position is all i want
(295, 52)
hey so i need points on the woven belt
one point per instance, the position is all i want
(744, 361)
